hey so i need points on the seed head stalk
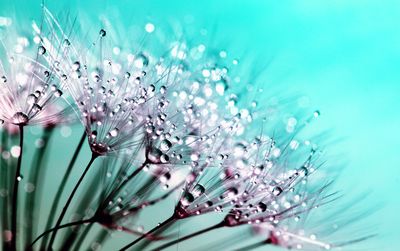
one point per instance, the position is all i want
(71, 196)
(31, 205)
(61, 188)
(4, 181)
(75, 223)
(80, 239)
(129, 178)
(17, 178)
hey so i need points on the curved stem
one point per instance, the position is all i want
(14, 206)
(80, 222)
(219, 225)
(159, 226)
(71, 196)
(61, 188)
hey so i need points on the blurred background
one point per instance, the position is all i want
(341, 56)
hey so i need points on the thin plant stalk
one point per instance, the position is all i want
(69, 240)
(130, 177)
(75, 223)
(189, 236)
(31, 205)
(72, 236)
(101, 237)
(81, 238)
(4, 181)
(14, 205)
(71, 196)
(159, 226)
(61, 188)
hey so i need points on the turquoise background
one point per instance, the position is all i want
(344, 55)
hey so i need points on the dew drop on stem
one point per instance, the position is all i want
(261, 207)
(187, 199)
(114, 132)
(31, 99)
(42, 50)
(277, 191)
(20, 118)
(198, 190)
(165, 145)
(102, 33)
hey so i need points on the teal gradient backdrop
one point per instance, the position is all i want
(344, 55)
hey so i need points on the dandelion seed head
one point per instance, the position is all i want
(29, 84)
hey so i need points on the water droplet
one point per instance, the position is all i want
(58, 93)
(31, 99)
(150, 129)
(165, 178)
(19, 178)
(154, 155)
(41, 50)
(303, 171)
(221, 87)
(261, 207)
(164, 158)
(198, 190)
(7, 235)
(29, 187)
(149, 27)
(258, 169)
(163, 89)
(151, 88)
(277, 191)
(102, 33)
(187, 199)
(93, 135)
(114, 132)
(239, 150)
(20, 118)
(67, 42)
(317, 114)
(96, 78)
(232, 192)
(76, 66)
(141, 61)
(165, 145)
(36, 108)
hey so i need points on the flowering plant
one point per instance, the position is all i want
(157, 125)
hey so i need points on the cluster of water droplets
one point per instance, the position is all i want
(31, 90)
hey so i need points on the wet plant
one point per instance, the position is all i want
(162, 125)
